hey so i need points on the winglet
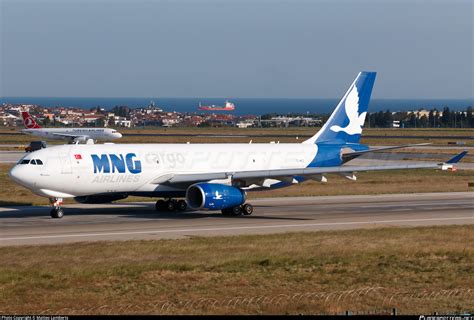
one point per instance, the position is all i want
(457, 157)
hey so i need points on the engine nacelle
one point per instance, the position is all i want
(214, 196)
(101, 198)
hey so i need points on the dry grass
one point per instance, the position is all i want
(256, 133)
(411, 265)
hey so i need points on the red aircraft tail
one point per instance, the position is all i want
(28, 121)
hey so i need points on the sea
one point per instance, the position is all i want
(243, 106)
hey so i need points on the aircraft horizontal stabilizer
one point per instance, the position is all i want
(352, 155)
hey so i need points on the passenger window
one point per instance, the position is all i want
(38, 161)
(33, 162)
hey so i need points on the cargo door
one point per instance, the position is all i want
(65, 160)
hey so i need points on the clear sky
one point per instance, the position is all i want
(230, 48)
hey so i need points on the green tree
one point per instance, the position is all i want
(469, 117)
(423, 121)
(445, 119)
(412, 120)
(387, 119)
(100, 122)
(46, 121)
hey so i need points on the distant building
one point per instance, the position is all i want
(8, 119)
(122, 122)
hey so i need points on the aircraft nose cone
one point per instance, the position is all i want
(18, 175)
(118, 135)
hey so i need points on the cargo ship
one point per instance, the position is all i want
(229, 106)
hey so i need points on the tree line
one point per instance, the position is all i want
(434, 119)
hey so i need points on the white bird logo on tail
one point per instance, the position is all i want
(356, 121)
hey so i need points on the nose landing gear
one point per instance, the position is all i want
(56, 212)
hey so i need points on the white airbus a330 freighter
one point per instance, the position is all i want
(207, 176)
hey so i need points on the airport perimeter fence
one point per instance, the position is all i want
(322, 303)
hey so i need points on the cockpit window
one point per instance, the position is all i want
(31, 161)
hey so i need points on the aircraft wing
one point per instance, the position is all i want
(199, 177)
(71, 136)
(189, 178)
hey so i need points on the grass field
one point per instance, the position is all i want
(416, 270)
(395, 181)
(256, 133)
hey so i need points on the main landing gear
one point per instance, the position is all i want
(171, 205)
(56, 212)
(245, 209)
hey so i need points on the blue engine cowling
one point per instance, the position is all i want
(214, 196)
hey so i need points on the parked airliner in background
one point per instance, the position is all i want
(207, 176)
(69, 134)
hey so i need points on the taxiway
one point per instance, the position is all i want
(125, 221)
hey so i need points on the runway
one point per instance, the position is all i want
(125, 221)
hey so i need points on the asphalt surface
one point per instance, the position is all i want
(124, 221)
(10, 156)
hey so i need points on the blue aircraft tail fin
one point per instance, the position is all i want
(345, 123)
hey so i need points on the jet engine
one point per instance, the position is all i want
(214, 196)
(101, 198)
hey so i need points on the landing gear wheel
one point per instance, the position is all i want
(171, 205)
(181, 205)
(160, 205)
(247, 209)
(57, 213)
(236, 211)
